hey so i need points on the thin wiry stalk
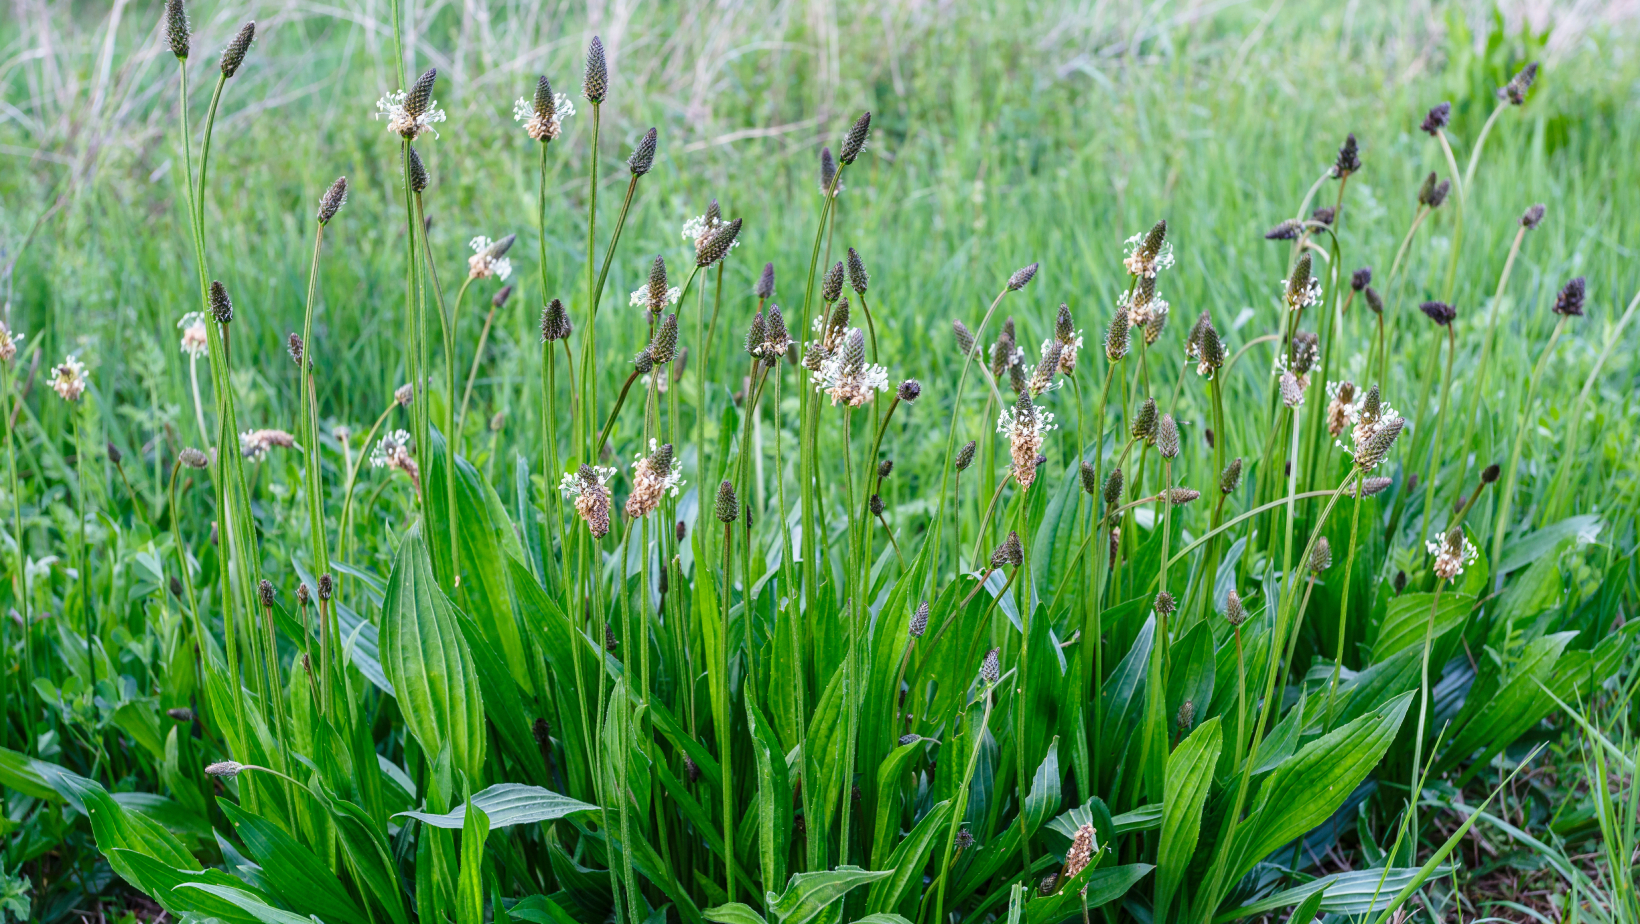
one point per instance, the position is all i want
(1510, 472)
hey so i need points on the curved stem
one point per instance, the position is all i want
(450, 475)
(1501, 526)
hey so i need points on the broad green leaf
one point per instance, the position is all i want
(1307, 909)
(290, 870)
(23, 774)
(140, 720)
(475, 829)
(733, 913)
(887, 817)
(506, 804)
(255, 907)
(883, 918)
(774, 797)
(908, 860)
(503, 705)
(1307, 788)
(1189, 777)
(1407, 620)
(808, 894)
(1103, 885)
(1533, 546)
(540, 909)
(1350, 893)
(428, 662)
(164, 884)
(1043, 799)
(1505, 714)
(369, 861)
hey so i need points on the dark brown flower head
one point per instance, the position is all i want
(234, 54)
(1009, 553)
(1118, 337)
(858, 278)
(831, 285)
(965, 337)
(264, 593)
(755, 333)
(643, 363)
(692, 771)
(1230, 478)
(1375, 485)
(1298, 284)
(1113, 488)
(876, 504)
(1437, 118)
(718, 244)
(1178, 497)
(293, 346)
(221, 305)
(1361, 278)
(1349, 158)
(1151, 247)
(1378, 445)
(1519, 85)
(965, 455)
(1374, 300)
(664, 348)
(1144, 422)
(1167, 437)
(885, 468)
(544, 103)
(1016, 378)
(1209, 349)
(727, 507)
(303, 595)
(332, 201)
(1306, 350)
(1048, 883)
(778, 337)
(1400, 581)
(765, 282)
(327, 586)
(555, 324)
(1004, 353)
(919, 621)
(855, 141)
(1090, 478)
(1533, 216)
(595, 80)
(1569, 303)
(1021, 277)
(643, 156)
(828, 170)
(1234, 613)
(180, 714)
(990, 669)
(418, 173)
(610, 643)
(1324, 215)
(1321, 555)
(1437, 196)
(964, 839)
(1287, 229)
(501, 296)
(1439, 312)
(910, 390)
(1186, 719)
(1165, 604)
(1490, 473)
(1427, 188)
(420, 97)
(177, 31)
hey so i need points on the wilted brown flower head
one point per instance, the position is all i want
(1569, 301)
(1441, 313)
(1533, 216)
(1437, 118)
(1349, 158)
(1081, 851)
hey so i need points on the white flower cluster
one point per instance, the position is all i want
(399, 120)
(640, 298)
(543, 129)
(1303, 298)
(1451, 557)
(195, 338)
(1139, 263)
(483, 263)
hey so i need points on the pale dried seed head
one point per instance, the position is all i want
(193, 458)
(1081, 851)
(1167, 437)
(224, 769)
(1233, 611)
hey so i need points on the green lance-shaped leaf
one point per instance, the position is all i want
(808, 894)
(1189, 777)
(428, 663)
(1103, 886)
(506, 804)
(475, 829)
(291, 871)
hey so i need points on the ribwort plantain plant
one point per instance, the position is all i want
(879, 650)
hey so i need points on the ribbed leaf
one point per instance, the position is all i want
(1349, 893)
(250, 904)
(808, 894)
(733, 913)
(1103, 887)
(428, 662)
(1407, 619)
(908, 860)
(1189, 777)
(507, 804)
(1307, 788)
(290, 870)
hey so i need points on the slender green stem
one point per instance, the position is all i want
(1344, 602)
(1501, 525)
(453, 515)
(1423, 708)
(1483, 367)
(1433, 466)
